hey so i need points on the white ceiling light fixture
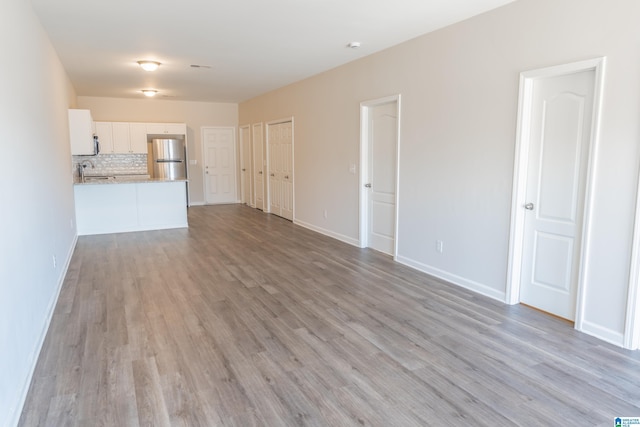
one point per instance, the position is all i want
(354, 45)
(149, 65)
(149, 92)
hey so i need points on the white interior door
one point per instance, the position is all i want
(381, 182)
(275, 168)
(280, 160)
(245, 165)
(258, 166)
(286, 152)
(219, 164)
(561, 116)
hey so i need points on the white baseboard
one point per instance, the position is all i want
(337, 236)
(196, 204)
(453, 279)
(33, 360)
(609, 335)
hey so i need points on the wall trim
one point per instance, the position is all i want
(609, 335)
(471, 285)
(329, 233)
(14, 417)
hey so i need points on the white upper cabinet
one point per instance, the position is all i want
(122, 137)
(104, 130)
(138, 136)
(115, 137)
(166, 129)
(81, 133)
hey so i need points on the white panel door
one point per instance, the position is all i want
(275, 168)
(219, 165)
(286, 152)
(258, 166)
(561, 118)
(383, 137)
(245, 165)
(280, 158)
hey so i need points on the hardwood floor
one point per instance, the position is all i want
(245, 319)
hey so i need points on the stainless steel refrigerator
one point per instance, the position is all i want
(169, 158)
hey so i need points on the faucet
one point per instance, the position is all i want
(83, 164)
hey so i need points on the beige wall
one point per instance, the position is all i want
(37, 219)
(194, 114)
(459, 89)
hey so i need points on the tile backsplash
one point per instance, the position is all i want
(113, 164)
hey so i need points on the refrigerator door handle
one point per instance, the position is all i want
(168, 161)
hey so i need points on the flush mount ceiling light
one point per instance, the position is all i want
(354, 45)
(149, 92)
(149, 65)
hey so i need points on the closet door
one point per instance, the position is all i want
(258, 165)
(286, 151)
(280, 159)
(275, 169)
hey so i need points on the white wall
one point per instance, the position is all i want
(194, 114)
(459, 91)
(36, 196)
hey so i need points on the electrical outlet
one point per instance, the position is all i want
(325, 214)
(439, 246)
(55, 263)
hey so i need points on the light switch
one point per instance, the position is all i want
(193, 162)
(352, 168)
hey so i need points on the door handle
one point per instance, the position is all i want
(273, 174)
(260, 172)
(529, 206)
(244, 170)
(286, 177)
(367, 186)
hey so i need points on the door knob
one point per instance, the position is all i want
(529, 206)
(286, 177)
(244, 170)
(273, 174)
(260, 172)
(367, 185)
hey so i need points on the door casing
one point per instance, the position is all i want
(520, 177)
(365, 108)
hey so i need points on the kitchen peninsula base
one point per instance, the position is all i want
(103, 208)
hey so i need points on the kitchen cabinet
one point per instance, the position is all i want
(166, 129)
(122, 137)
(81, 133)
(138, 137)
(104, 131)
(124, 207)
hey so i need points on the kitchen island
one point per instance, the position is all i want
(121, 205)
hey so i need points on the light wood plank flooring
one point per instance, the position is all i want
(245, 319)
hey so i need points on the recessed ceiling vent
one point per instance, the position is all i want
(200, 66)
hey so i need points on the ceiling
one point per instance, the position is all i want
(244, 47)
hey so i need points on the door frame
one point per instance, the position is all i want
(235, 161)
(243, 161)
(632, 322)
(521, 158)
(266, 197)
(365, 108)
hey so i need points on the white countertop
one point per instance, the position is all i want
(89, 180)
